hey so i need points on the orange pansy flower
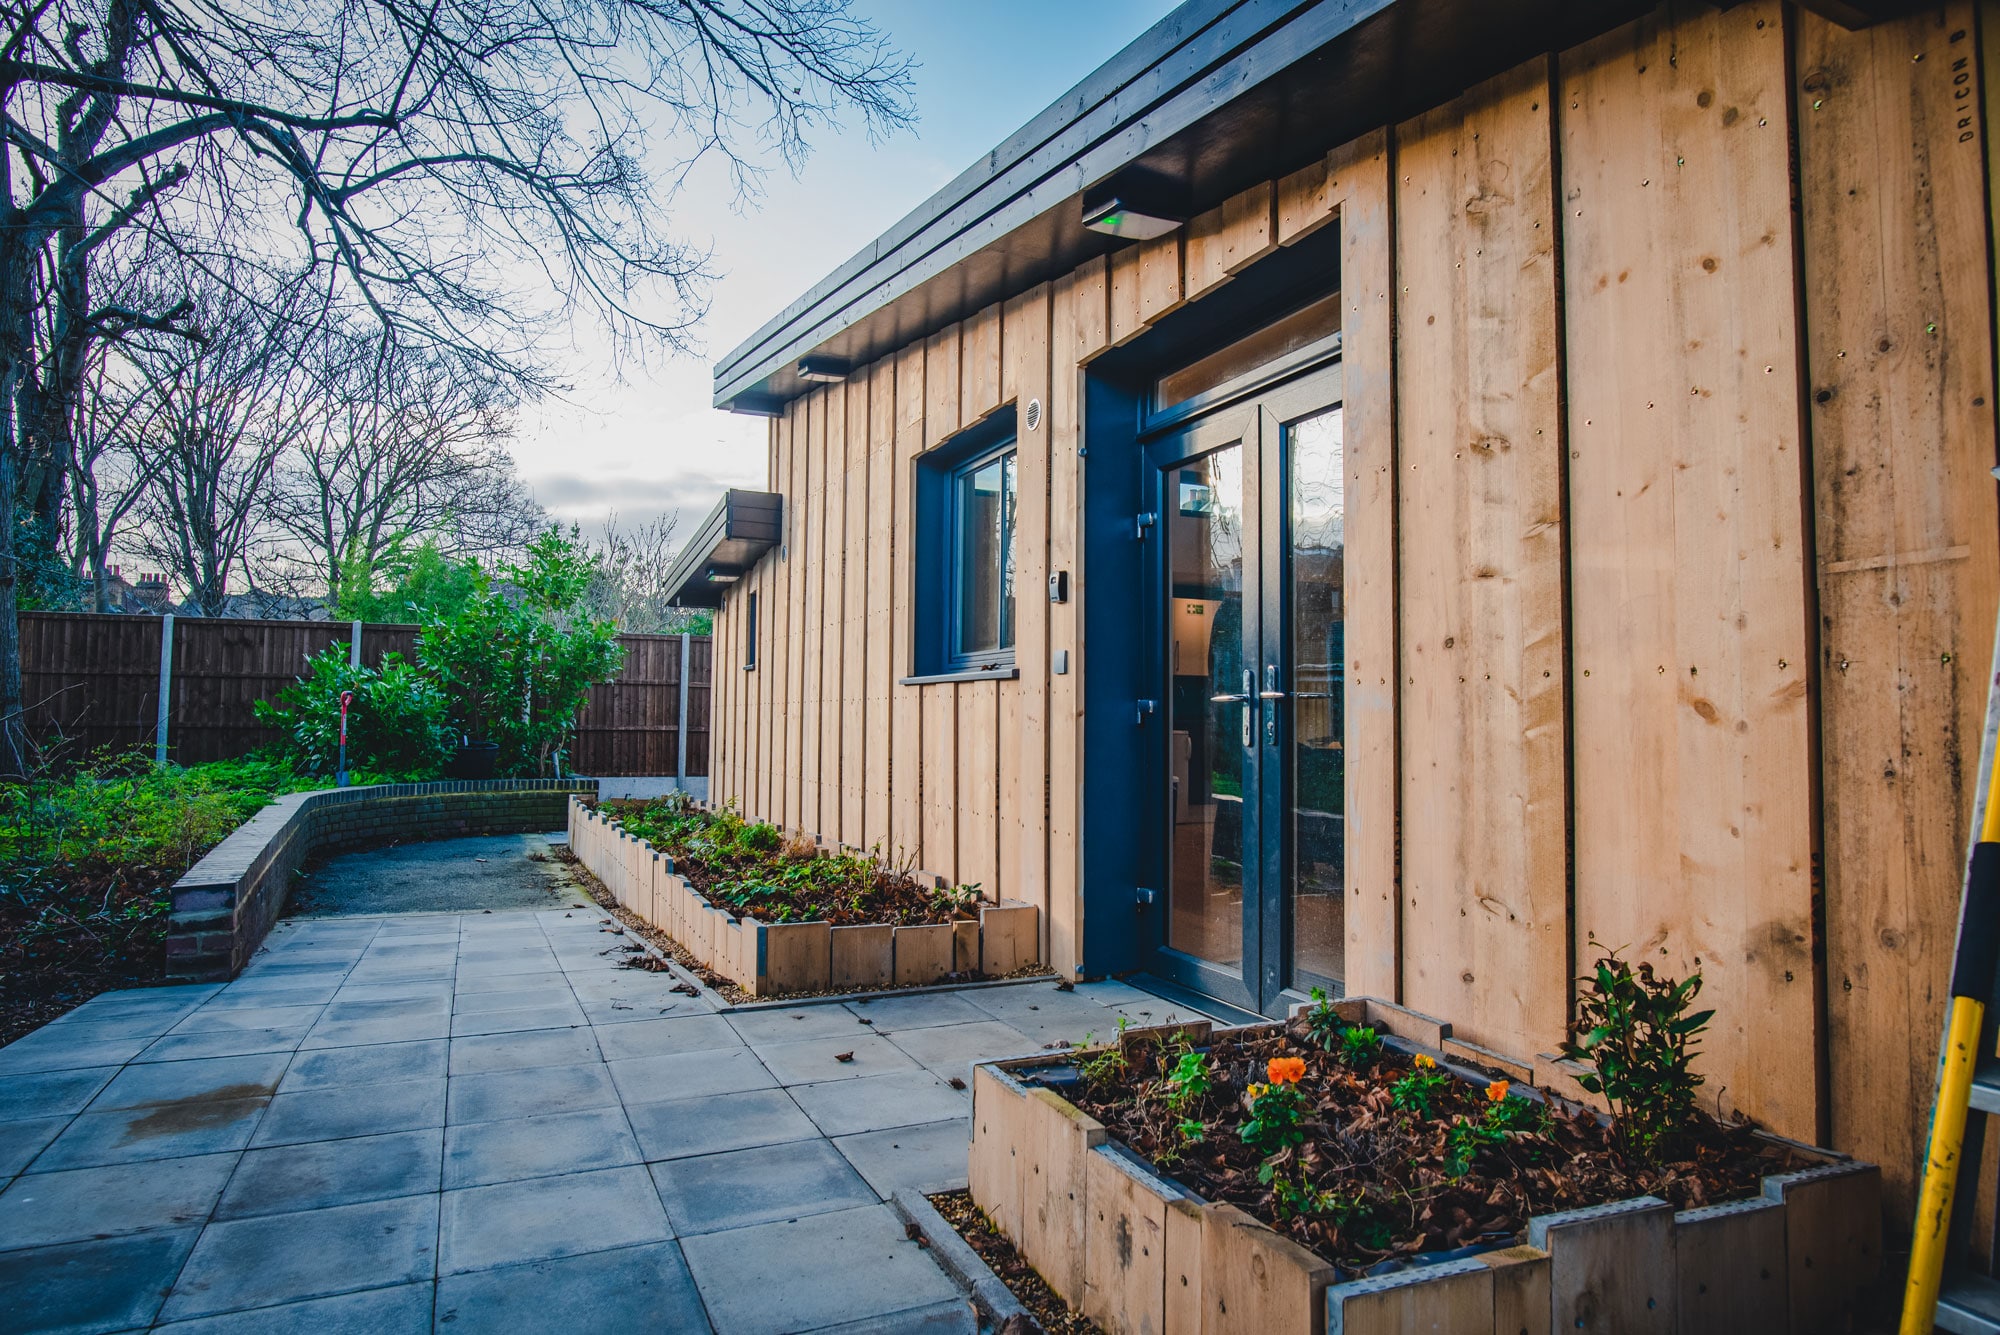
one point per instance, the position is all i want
(1497, 1091)
(1421, 1062)
(1285, 1070)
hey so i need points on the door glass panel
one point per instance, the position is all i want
(1318, 772)
(1204, 621)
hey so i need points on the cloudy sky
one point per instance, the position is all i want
(647, 442)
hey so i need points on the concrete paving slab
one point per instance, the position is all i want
(663, 1037)
(189, 1082)
(720, 1122)
(844, 1107)
(513, 1052)
(514, 998)
(248, 1263)
(207, 1019)
(546, 1217)
(159, 1131)
(407, 989)
(547, 1145)
(1045, 1014)
(499, 1095)
(45, 1208)
(330, 1033)
(44, 1051)
(951, 1049)
(812, 1060)
(107, 1284)
(757, 1186)
(319, 1174)
(644, 1288)
(510, 982)
(927, 1157)
(258, 993)
(51, 1093)
(851, 1265)
(373, 1064)
(402, 1310)
(20, 1142)
(223, 1043)
(955, 1317)
(688, 1075)
(127, 1000)
(792, 1023)
(568, 1015)
(353, 1110)
(923, 1011)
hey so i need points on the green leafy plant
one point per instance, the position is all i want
(1109, 1064)
(1422, 1089)
(1500, 1121)
(1638, 1033)
(1323, 1022)
(1191, 1129)
(395, 725)
(1189, 1082)
(1360, 1045)
(1275, 1113)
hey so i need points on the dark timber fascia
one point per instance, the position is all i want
(740, 529)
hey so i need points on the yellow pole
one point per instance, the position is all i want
(1972, 979)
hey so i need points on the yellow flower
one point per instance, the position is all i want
(1422, 1063)
(1257, 1092)
(1497, 1092)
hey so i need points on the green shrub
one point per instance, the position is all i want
(1636, 1030)
(515, 670)
(396, 724)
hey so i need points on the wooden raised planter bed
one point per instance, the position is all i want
(766, 958)
(1136, 1252)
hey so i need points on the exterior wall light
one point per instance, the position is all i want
(822, 370)
(1134, 205)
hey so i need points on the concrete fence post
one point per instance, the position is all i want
(681, 727)
(354, 646)
(166, 685)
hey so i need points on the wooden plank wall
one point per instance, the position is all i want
(1671, 555)
(1899, 374)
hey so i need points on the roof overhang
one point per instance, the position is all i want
(739, 530)
(1217, 96)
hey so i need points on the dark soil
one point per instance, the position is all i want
(752, 870)
(1001, 1258)
(1387, 1190)
(104, 928)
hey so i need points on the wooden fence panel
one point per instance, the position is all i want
(91, 683)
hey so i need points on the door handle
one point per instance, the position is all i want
(1227, 699)
(1272, 695)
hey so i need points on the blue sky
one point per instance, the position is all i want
(650, 443)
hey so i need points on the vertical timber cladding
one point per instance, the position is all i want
(1693, 763)
(853, 654)
(884, 539)
(906, 763)
(978, 798)
(938, 703)
(1024, 704)
(1899, 374)
(1479, 536)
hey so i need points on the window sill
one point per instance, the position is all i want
(1003, 672)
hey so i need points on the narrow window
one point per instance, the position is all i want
(750, 635)
(983, 554)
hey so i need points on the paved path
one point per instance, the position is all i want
(478, 1122)
(494, 871)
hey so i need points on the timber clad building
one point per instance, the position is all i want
(1383, 494)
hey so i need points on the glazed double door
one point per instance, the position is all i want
(1247, 644)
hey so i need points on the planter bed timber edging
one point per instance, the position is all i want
(1135, 1251)
(770, 958)
(225, 904)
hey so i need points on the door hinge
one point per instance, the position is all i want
(1145, 520)
(1144, 707)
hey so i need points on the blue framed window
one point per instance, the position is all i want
(984, 497)
(967, 500)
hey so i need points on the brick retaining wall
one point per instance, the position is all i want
(226, 902)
